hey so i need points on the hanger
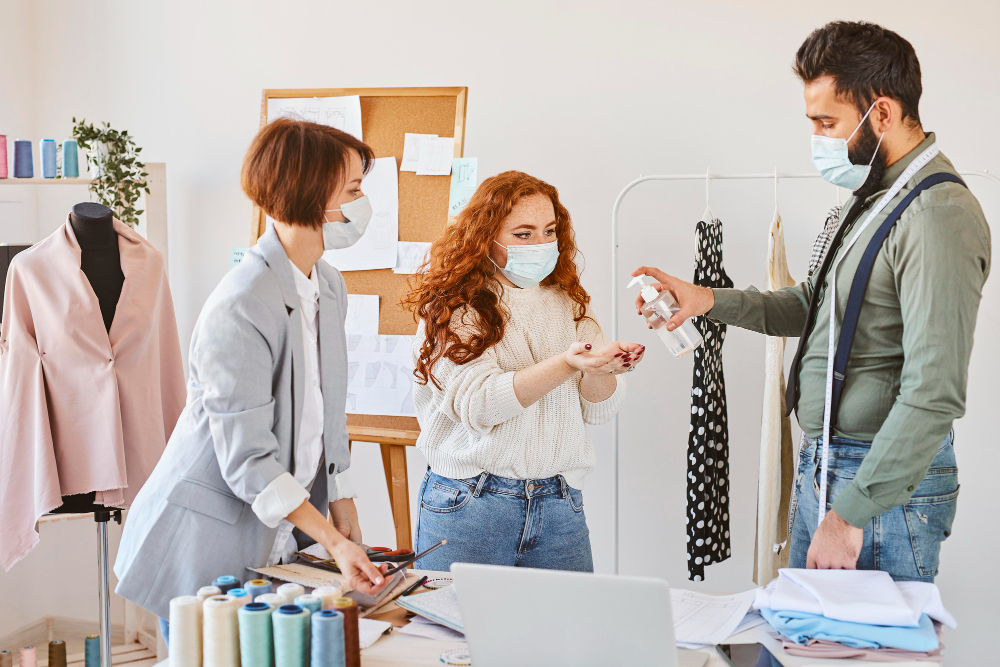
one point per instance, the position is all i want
(708, 215)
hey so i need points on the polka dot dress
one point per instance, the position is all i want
(708, 440)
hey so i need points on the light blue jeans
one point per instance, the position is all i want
(500, 521)
(906, 540)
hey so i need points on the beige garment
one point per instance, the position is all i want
(774, 484)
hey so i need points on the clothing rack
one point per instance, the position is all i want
(708, 177)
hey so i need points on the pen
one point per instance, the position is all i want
(416, 584)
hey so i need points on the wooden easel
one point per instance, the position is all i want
(386, 115)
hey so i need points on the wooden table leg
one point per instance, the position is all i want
(394, 463)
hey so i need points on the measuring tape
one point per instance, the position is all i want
(440, 582)
(918, 163)
(458, 656)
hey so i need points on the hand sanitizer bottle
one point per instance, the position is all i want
(659, 308)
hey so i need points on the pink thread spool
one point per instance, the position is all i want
(28, 657)
(3, 156)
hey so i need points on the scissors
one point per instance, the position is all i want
(375, 555)
(401, 564)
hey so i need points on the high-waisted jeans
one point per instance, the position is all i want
(906, 540)
(500, 521)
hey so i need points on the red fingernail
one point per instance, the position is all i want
(588, 346)
(626, 365)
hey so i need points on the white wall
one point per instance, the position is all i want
(586, 95)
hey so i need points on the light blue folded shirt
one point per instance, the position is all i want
(800, 627)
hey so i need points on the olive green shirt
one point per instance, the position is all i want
(908, 368)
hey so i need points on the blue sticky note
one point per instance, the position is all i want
(236, 256)
(464, 177)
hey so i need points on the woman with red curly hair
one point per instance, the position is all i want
(511, 366)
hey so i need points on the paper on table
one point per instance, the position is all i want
(343, 113)
(751, 620)
(377, 248)
(362, 314)
(410, 256)
(464, 176)
(369, 630)
(422, 627)
(707, 619)
(435, 156)
(380, 375)
(411, 150)
(440, 606)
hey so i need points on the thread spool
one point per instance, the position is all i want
(327, 594)
(256, 635)
(92, 651)
(256, 587)
(310, 602)
(185, 631)
(290, 591)
(291, 636)
(24, 166)
(272, 599)
(241, 595)
(226, 583)
(206, 592)
(28, 656)
(47, 153)
(71, 159)
(3, 174)
(6, 658)
(57, 653)
(327, 642)
(221, 632)
(352, 643)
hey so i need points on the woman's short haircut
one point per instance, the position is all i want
(293, 167)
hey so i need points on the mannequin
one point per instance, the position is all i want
(100, 261)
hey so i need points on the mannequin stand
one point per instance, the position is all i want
(101, 517)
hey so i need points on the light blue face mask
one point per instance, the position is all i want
(830, 157)
(528, 265)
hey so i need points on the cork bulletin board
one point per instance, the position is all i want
(386, 115)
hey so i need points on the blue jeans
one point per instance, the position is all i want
(904, 541)
(165, 631)
(499, 521)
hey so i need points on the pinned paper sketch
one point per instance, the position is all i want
(411, 256)
(377, 248)
(435, 156)
(464, 176)
(411, 150)
(236, 256)
(362, 314)
(343, 113)
(380, 375)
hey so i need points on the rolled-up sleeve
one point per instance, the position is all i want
(279, 499)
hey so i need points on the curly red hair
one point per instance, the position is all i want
(460, 274)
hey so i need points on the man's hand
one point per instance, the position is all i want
(836, 545)
(693, 300)
(345, 519)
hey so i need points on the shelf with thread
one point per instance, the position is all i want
(46, 181)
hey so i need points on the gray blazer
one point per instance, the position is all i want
(192, 521)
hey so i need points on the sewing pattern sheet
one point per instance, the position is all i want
(380, 375)
(377, 248)
(343, 113)
(708, 440)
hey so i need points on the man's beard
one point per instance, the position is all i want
(861, 153)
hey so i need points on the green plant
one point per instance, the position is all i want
(114, 159)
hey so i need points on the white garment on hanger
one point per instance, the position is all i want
(775, 426)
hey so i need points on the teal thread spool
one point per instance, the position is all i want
(256, 635)
(291, 636)
(241, 595)
(71, 159)
(310, 602)
(47, 150)
(225, 583)
(327, 648)
(92, 651)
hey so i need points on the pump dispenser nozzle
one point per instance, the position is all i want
(659, 308)
(647, 290)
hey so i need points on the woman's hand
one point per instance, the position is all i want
(359, 572)
(614, 358)
(345, 519)
(693, 300)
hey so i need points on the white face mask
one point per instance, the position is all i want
(340, 235)
(528, 265)
(830, 157)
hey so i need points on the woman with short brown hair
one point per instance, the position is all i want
(261, 447)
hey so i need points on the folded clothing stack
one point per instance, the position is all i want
(855, 613)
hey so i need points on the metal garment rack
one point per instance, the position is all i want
(708, 177)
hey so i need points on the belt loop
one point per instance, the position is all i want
(479, 485)
(563, 487)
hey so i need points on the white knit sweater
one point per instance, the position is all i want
(475, 423)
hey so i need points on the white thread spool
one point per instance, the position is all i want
(289, 592)
(206, 592)
(327, 594)
(222, 631)
(272, 599)
(185, 631)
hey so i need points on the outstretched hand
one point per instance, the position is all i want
(614, 358)
(692, 300)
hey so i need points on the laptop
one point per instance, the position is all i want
(527, 617)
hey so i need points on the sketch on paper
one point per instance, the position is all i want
(464, 176)
(343, 113)
(435, 155)
(380, 228)
(384, 385)
(411, 256)
(362, 314)
(411, 150)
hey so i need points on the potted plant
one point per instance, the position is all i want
(113, 158)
